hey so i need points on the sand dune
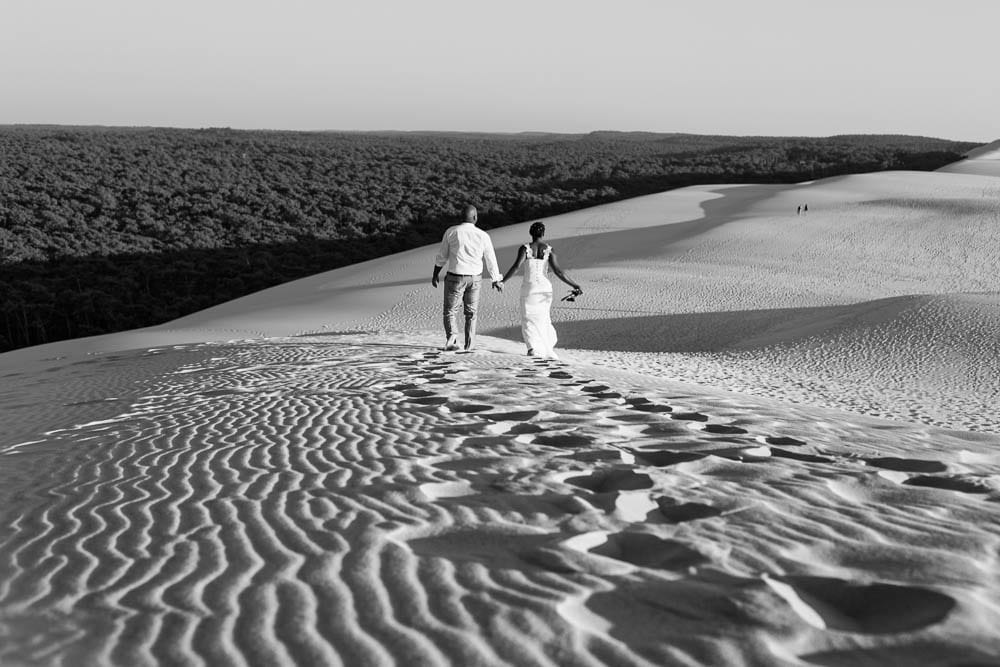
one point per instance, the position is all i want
(709, 269)
(705, 478)
(984, 161)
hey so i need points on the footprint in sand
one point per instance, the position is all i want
(645, 405)
(835, 604)
(951, 483)
(907, 465)
(650, 551)
(525, 429)
(669, 428)
(689, 416)
(626, 505)
(469, 408)
(781, 441)
(641, 418)
(665, 457)
(418, 393)
(743, 454)
(723, 429)
(653, 408)
(564, 440)
(432, 368)
(607, 481)
(675, 512)
(796, 456)
(517, 416)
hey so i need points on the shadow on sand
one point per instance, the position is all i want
(715, 331)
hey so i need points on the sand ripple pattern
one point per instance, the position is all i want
(358, 500)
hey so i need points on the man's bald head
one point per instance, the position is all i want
(470, 213)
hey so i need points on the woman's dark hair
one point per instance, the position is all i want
(537, 230)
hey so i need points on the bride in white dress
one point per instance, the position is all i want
(536, 292)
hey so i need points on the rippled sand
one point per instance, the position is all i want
(367, 499)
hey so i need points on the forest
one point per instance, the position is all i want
(106, 229)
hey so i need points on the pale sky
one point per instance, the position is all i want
(776, 67)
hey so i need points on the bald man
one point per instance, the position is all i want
(463, 250)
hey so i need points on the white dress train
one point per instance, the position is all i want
(536, 302)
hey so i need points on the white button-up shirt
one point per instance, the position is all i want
(463, 250)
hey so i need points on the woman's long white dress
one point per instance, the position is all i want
(536, 302)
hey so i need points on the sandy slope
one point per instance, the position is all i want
(329, 497)
(365, 499)
(984, 161)
(722, 285)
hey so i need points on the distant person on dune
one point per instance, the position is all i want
(536, 292)
(463, 250)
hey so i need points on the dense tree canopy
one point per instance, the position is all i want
(103, 229)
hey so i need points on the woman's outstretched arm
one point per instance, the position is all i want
(556, 269)
(517, 263)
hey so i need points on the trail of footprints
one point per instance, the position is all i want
(666, 436)
(654, 416)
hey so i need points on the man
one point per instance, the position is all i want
(463, 250)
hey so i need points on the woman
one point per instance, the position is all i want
(536, 292)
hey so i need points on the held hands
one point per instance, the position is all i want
(498, 285)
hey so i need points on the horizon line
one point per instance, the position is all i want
(479, 132)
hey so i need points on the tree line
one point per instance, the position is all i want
(104, 229)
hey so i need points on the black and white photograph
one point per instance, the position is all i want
(641, 333)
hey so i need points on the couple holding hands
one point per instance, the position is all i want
(463, 250)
